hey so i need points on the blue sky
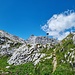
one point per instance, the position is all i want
(25, 17)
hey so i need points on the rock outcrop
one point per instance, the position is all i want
(9, 43)
(25, 54)
(11, 37)
(74, 39)
(41, 40)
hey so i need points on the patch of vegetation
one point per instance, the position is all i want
(47, 51)
(3, 62)
(17, 45)
(64, 70)
(24, 69)
(29, 45)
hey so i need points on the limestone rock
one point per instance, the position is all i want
(25, 54)
(74, 39)
(41, 40)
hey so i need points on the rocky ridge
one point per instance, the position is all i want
(41, 40)
(11, 37)
(22, 51)
(9, 43)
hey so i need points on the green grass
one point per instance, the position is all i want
(3, 62)
(23, 69)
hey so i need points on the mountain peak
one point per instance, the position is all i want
(11, 37)
(41, 40)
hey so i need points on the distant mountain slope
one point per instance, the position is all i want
(9, 43)
(11, 37)
(41, 40)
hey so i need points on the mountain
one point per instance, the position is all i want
(22, 51)
(41, 40)
(38, 55)
(11, 37)
(9, 43)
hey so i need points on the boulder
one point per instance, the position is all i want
(74, 39)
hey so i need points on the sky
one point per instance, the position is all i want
(26, 17)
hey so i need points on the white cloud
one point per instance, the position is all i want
(59, 25)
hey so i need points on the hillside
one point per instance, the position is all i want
(39, 59)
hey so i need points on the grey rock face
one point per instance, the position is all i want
(9, 43)
(41, 40)
(11, 37)
(25, 54)
(74, 39)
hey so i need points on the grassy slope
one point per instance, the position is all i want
(23, 69)
(64, 68)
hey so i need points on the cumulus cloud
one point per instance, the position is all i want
(60, 25)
